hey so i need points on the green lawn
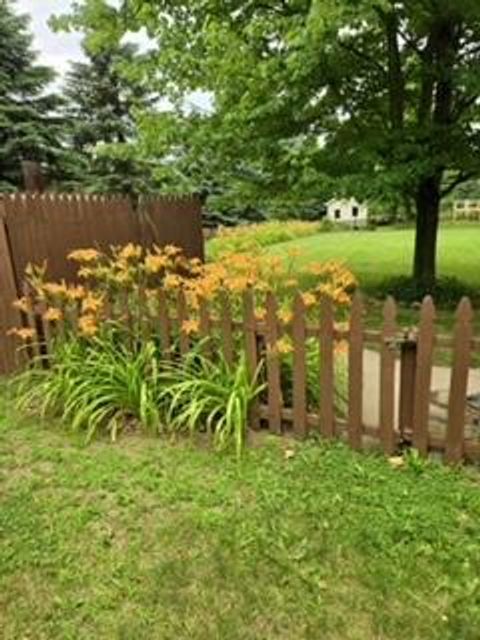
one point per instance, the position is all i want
(147, 539)
(377, 255)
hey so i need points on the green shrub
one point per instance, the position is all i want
(198, 393)
(104, 386)
(447, 291)
(95, 386)
(251, 238)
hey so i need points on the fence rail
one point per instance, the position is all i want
(35, 228)
(404, 373)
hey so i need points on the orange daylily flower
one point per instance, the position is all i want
(22, 304)
(52, 315)
(190, 327)
(23, 333)
(88, 326)
(84, 255)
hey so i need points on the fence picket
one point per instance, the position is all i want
(205, 328)
(423, 376)
(34, 345)
(273, 367)
(227, 329)
(387, 378)
(45, 333)
(249, 329)
(60, 326)
(127, 312)
(8, 288)
(143, 314)
(327, 366)
(459, 382)
(182, 317)
(355, 373)
(72, 314)
(164, 325)
(299, 368)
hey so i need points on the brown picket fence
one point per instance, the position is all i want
(45, 227)
(406, 362)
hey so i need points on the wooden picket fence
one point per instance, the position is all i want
(406, 355)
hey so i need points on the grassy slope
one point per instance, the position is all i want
(377, 255)
(148, 540)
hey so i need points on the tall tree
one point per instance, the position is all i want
(101, 100)
(30, 128)
(100, 103)
(382, 94)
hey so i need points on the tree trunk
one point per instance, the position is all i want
(428, 213)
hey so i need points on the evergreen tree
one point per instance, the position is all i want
(29, 126)
(100, 103)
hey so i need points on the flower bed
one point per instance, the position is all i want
(152, 324)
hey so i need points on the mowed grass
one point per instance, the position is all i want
(375, 256)
(146, 539)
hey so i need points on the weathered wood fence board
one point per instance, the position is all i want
(299, 368)
(355, 374)
(423, 376)
(273, 366)
(459, 382)
(327, 372)
(227, 330)
(251, 348)
(8, 293)
(172, 221)
(387, 378)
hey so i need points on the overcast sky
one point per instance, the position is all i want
(55, 49)
(58, 49)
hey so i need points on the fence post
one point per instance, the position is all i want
(8, 293)
(32, 176)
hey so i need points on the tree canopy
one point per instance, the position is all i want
(375, 97)
(302, 99)
(99, 109)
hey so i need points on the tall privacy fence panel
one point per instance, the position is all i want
(405, 365)
(35, 228)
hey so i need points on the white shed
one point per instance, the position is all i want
(466, 209)
(348, 211)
